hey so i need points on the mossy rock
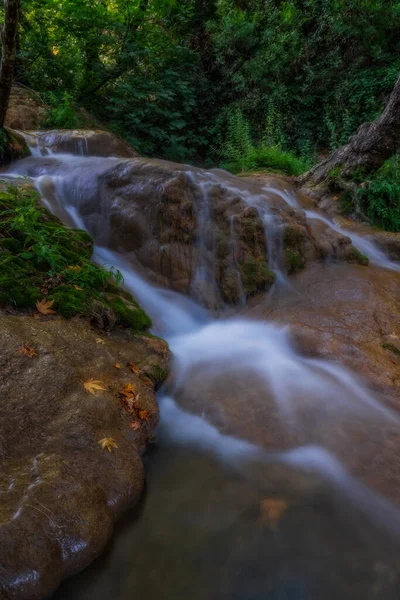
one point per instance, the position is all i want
(256, 276)
(355, 256)
(128, 312)
(294, 261)
(39, 256)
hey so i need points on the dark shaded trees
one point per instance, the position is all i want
(8, 36)
(369, 148)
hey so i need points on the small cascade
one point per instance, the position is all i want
(274, 237)
(232, 379)
(375, 255)
(234, 260)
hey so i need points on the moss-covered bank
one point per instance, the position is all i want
(40, 258)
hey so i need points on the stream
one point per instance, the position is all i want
(223, 516)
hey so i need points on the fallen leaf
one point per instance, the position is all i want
(117, 366)
(128, 390)
(75, 268)
(143, 415)
(134, 368)
(27, 351)
(271, 511)
(78, 288)
(100, 341)
(135, 425)
(92, 385)
(44, 291)
(44, 307)
(107, 444)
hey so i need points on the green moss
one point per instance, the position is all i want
(157, 373)
(335, 172)
(391, 348)
(256, 276)
(129, 314)
(294, 261)
(69, 302)
(355, 256)
(37, 251)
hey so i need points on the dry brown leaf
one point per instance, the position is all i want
(128, 390)
(271, 511)
(134, 368)
(27, 351)
(135, 425)
(100, 341)
(44, 307)
(75, 268)
(92, 385)
(44, 291)
(143, 415)
(107, 444)
(117, 366)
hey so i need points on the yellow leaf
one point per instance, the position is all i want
(44, 307)
(128, 390)
(27, 351)
(78, 288)
(107, 444)
(100, 341)
(117, 366)
(143, 415)
(92, 385)
(75, 268)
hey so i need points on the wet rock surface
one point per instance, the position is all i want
(346, 314)
(208, 234)
(60, 491)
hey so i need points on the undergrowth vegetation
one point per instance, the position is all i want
(377, 196)
(40, 258)
(238, 152)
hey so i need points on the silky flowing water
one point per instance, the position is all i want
(221, 516)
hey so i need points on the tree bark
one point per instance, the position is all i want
(8, 36)
(368, 149)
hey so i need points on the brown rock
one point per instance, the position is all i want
(60, 491)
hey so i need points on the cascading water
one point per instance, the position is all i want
(201, 535)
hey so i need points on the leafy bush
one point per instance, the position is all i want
(62, 112)
(380, 198)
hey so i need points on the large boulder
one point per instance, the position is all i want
(60, 490)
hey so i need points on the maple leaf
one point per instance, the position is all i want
(27, 351)
(100, 341)
(128, 390)
(44, 307)
(107, 444)
(134, 368)
(117, 366)
(92, 385)
(271, 511)
(135, 425)
(75, 268)
(143, 415)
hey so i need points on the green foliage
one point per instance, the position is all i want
(39, 256)
(62, 112)
(380, 198)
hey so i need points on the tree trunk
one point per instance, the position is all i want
(368, 149)
(8, 36)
